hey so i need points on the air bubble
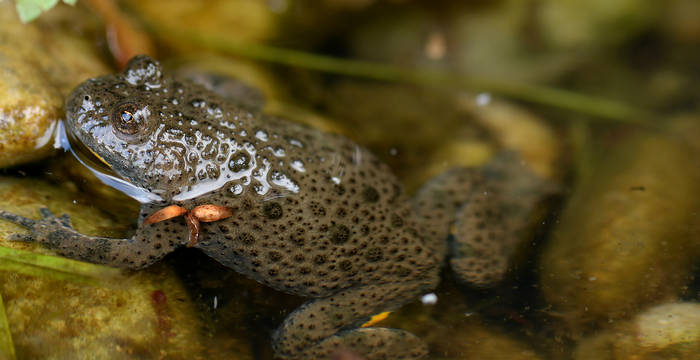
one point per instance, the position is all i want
(298, 165)
(262, 135)
(279, 152)
(296, 143)
(236, 189)
(198, 103)
(282, 180)
(214, 110)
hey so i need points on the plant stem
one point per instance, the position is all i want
(559, 98)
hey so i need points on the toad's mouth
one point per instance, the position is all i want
(98, 166)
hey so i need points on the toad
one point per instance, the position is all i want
(302, 211)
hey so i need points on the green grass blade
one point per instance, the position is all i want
(7, 349)
(56, 267)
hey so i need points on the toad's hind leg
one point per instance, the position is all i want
(321, 328)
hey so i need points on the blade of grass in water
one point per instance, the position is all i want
(7, 349)
(559, 98)
(55, 267)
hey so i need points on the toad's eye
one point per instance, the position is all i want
(127, 116)
(128, 119)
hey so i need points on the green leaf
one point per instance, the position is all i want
(29, 10)
(7, 350)
(54, 267)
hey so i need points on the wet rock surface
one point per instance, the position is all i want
(39, 64)
(626, 238)
(144, 314)
(454, 331)
(666, 331)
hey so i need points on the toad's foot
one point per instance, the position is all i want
(460, 203)
(486, 212)
(201, 213)
(321, 328)
(48, 230)
(57, 233)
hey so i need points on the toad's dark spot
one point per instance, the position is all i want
(274, 256)
(272, 211)
(340, 234)
(403, 271)
(346, 265)
(320, 259)
(374, 254)
(246, 204)
(370, 194)
(365, 230)
(245, 238)
(396, 221)
(297, 239)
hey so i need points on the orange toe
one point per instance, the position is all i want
(165, 213)
(209, 212)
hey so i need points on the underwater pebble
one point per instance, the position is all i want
(628, 225)
(667, 331)
(40, 63)
(147, 312)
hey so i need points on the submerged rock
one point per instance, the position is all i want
(668, 331)
(144, 314)
(454, 331)
(625, 240)
(39, 64)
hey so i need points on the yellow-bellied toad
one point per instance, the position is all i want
(304, 212)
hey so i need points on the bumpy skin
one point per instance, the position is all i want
(484, 212)
(314, 214)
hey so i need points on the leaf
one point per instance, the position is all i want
(29, 10)
(7, 350)
(55, 267)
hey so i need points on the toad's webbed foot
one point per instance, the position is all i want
(460, 206)
(56, 232)
(47, 230)
(321, 328)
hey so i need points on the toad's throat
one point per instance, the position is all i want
(100, 167)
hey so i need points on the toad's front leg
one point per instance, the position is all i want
(321, 328)
(57, 233)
